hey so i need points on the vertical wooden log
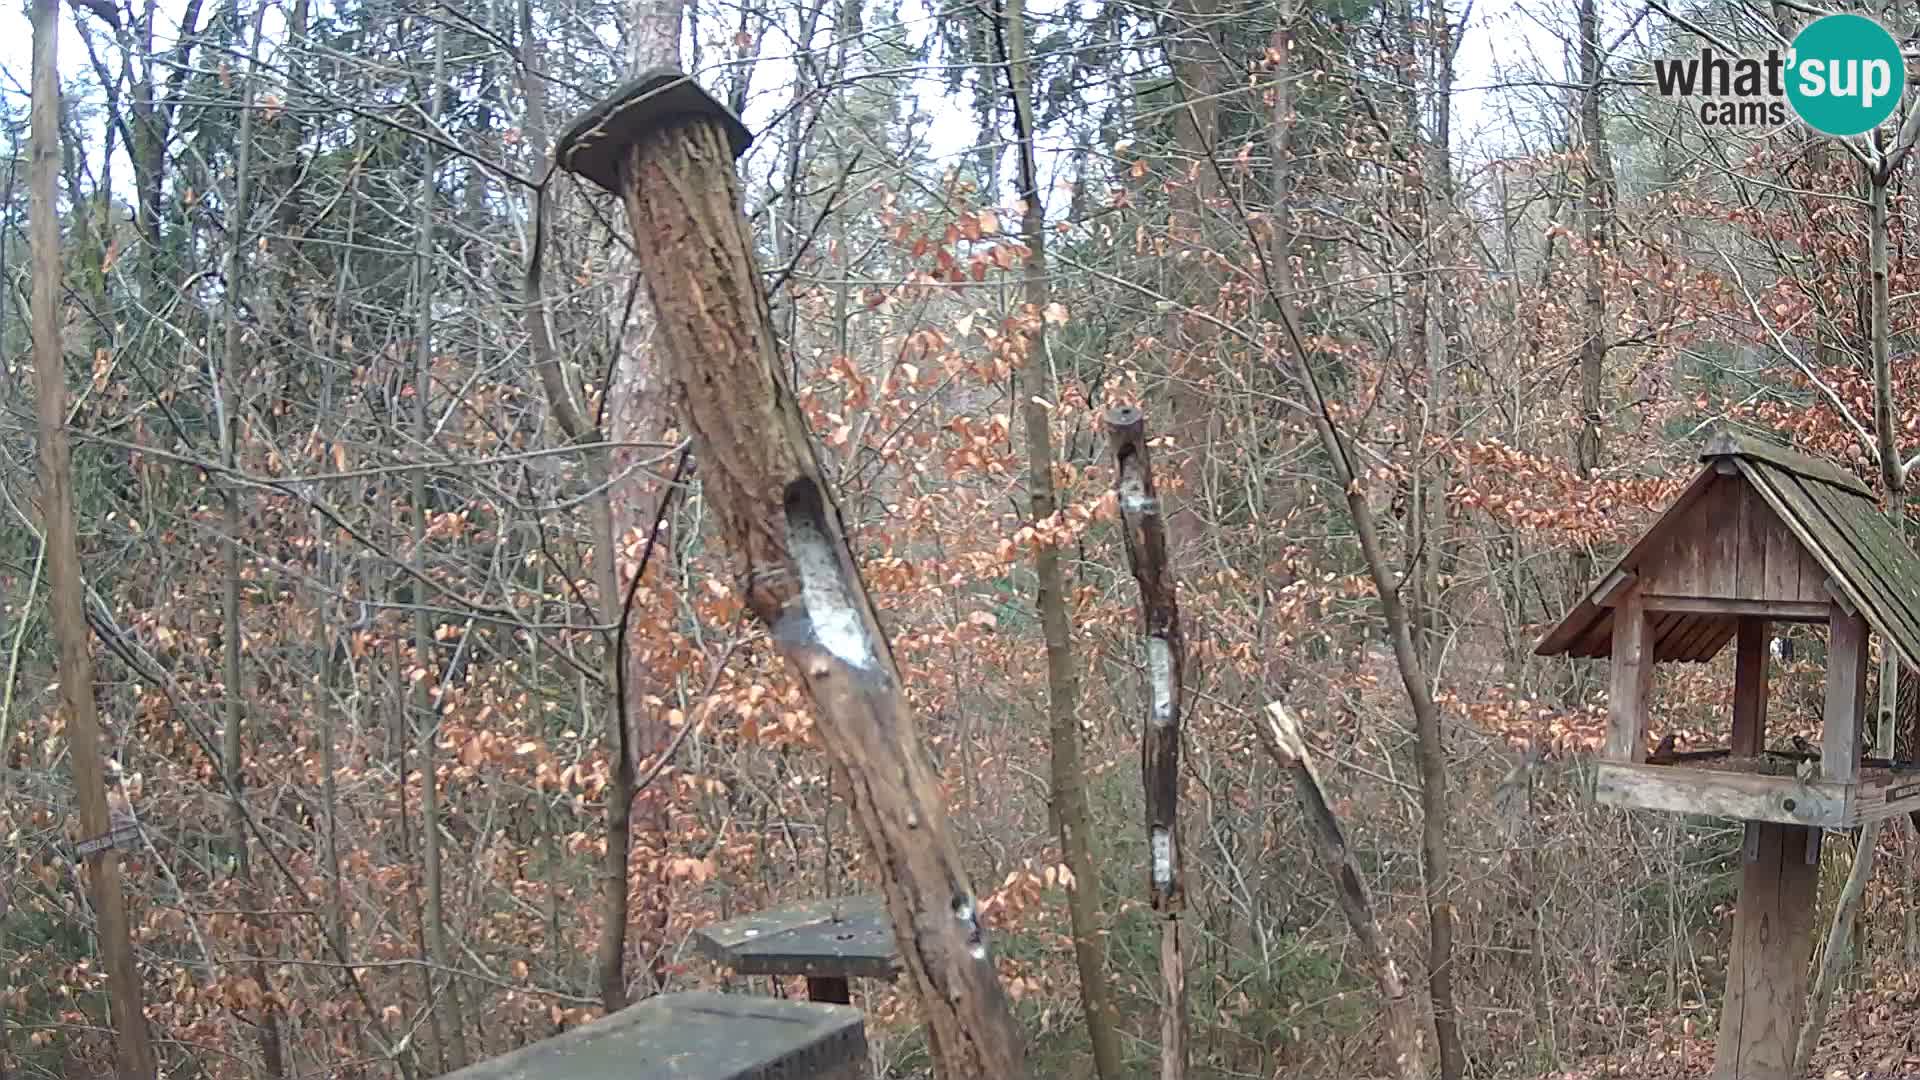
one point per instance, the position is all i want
(667, 149)
(1750, 687)
(1846, 696)
(1631, 677)
(1144, 529)
(1767, 975)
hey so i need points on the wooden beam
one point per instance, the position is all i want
(1713, 793)
(1767, 975)
(1781, 610)
(1846, 697)
(1750, 687)
(1882, 799)
(1839, 595)
(1614, 586)
(1630, 679)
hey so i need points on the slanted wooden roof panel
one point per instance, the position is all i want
(1867, 559)
(1786, 527)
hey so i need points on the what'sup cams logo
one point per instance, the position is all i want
(1843, 76)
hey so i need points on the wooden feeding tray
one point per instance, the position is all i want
(1763, 788)
(696, 1036)
(828, 941)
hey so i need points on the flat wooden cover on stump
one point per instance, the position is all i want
(847, 937)
(697, 1036)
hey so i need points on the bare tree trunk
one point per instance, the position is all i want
(1063, 689)
(1280, 734)
(797, 574)
(424, 644)
(229, 394)
(64, 587)
(1166, 652)
(1436, 860)
(1595, 185)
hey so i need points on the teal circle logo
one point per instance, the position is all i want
(1846, 74)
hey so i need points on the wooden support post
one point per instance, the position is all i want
(1750, 687)
(1631, 678)
(667, 149)
(1772, 941)
(1166, 653)
(1846, 696)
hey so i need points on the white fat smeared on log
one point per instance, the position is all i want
(1133, 491)
(1160, 677)
(837, 626)
(963, 912)
(1161, 844)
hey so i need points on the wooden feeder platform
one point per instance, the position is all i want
(696, 1036)
(828, 941)
(1725, 786)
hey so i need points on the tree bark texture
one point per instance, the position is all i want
(1070, 805)
(135, 1049)
(1145, 533)
(797, 574)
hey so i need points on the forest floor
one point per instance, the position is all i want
(1870, 1035)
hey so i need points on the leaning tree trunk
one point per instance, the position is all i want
(1280, 734)
(667, 149)
(136, 1060)
(1070, 808)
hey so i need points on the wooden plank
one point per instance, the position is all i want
(1782, 610)
(1871, 573)
(1846, 697)
(836, 938)
(1579, 622)
(1890, 559)
(1720, 540)
(1791, 572)
(1719, 633)
(1713, 793)
(1629, 680)
(1613, 587)
(1798, 507)
(696, 1036)
(1767, 972)
(1752, 522)
(1884, 799)
(1700, 632)
(1732, 443)
(1750, 688)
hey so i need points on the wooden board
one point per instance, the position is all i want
(1750, 688)
(697, 1036)
(1767, 971)
(1738, 795)
(847, 937)
(1631, 680)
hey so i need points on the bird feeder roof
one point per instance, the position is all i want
(1777, 532)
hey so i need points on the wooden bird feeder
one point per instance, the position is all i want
(696, 1036)
(1762, 535)
(828, 941)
